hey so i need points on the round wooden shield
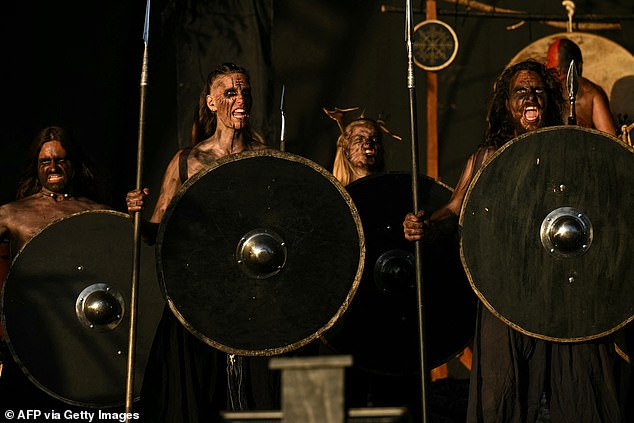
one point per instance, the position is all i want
(381, 328)
(66, 308)
(605, 63)
(260, 253)
(547, 234)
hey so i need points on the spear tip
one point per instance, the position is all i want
(146, 26)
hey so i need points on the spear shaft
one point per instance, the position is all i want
(136, 258)
(411, 85)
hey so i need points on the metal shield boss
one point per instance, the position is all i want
(261, 253)
(547, 234)
(66, 308)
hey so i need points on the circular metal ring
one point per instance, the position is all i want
(566, 232)
(261, 253)
(394, 271)
(100, 307)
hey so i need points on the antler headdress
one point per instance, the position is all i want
(338, 116)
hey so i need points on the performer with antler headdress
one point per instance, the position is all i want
(359, 146)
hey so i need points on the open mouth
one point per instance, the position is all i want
(531, 114)
(54, 178)
(240, 113)
(369, 152)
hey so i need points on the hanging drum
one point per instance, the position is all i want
(380, 329)
(66, 308)
(547, 234)
(260, 253)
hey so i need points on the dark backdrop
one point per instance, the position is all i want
(79, 65)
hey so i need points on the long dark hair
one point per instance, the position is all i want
(500, 127)
(205, 121)
(83, 182)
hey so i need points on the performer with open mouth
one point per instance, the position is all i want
(516, 377)
(359, 146)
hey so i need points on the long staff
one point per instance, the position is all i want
(411, 85)
(129, 400)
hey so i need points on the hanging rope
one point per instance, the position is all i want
(570, 8)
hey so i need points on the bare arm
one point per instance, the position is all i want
(415, 225)
(135, 200)
(601, 115)
(169, 188)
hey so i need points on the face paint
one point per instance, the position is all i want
(527, 101)
(231, 99)
(552, 60)
(55, 171)
(365, 145)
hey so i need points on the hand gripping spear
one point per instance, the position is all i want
(137, 227)
(411, 85)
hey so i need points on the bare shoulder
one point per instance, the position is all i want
(20, 219)
(592, 88)
(202, 156)
(4, 209)
(171, 172)
(175, 158)
(480, 155)
(5, 213)
(21, 205)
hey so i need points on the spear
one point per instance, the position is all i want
(283, 127)
(411, 85)
(129, 400)
(572, 85)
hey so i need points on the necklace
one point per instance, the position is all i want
(54, 195)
